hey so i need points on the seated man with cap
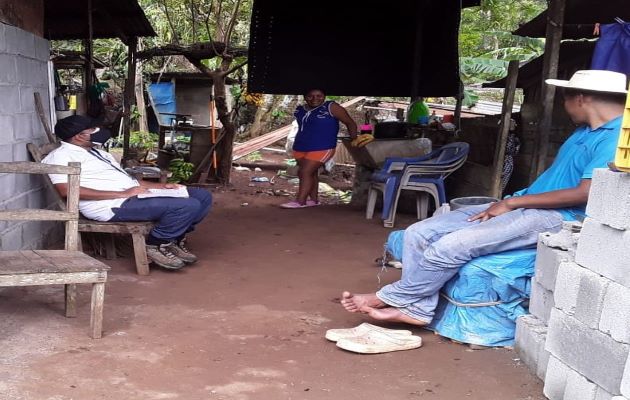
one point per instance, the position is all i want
(108, 193)
(436, 248)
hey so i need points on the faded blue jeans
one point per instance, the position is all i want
(173, 216)
(435, 249)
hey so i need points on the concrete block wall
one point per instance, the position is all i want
(587, 336)
(23, 71)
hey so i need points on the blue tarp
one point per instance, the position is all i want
(502, 277)
(612, 51)
(163, 99)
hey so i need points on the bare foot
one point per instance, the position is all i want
(360, 303)
(392, 314)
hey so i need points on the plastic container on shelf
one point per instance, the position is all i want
(418, 113)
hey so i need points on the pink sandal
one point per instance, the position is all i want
(293, 204)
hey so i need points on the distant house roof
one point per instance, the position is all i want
(67, 19)
(579, 19)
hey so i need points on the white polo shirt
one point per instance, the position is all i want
(96, 173)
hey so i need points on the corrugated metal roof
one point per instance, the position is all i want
(68, 19)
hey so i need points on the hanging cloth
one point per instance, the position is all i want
(612, 51)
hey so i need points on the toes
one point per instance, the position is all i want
(346, 295)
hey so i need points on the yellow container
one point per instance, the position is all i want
(73, 102)
(622, 158)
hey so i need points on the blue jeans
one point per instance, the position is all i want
(174, 216)
(435, 249)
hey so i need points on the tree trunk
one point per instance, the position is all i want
(224, 149)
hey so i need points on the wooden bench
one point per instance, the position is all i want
(51, 267)
(137, 230)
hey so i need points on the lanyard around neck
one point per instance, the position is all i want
(96, 154)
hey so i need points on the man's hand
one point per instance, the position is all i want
(134, 191)
(496, 209)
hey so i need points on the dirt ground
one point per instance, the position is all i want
(246, 322)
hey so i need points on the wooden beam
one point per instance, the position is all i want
(555, 21)
(504, 129)
(129, 95)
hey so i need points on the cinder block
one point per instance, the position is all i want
(531, 334)
(42, 49)
(8, 73)
(593, 354)
(615, 319)
(601, 394)
(30, 72)
(625, 382)
(556, 379)
(605, 250)
(11, 238)
(590, 299)
(541, 302)
(547, 262)
(567, 287)
(609, 199)
(6, 127)
(3, 43)
(20, 152)
(20, 42)
(619, 398)
(27, 103)
(578, 387)
(23, 127)
(10, 99)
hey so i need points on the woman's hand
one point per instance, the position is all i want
(496, 209)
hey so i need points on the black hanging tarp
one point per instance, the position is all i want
(353, 47)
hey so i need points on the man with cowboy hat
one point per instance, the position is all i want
(435, 249)
(108, 193)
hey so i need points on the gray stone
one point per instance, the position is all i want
(548, 260)
(565, 239)
(556, 379)
(8, 73)
(605, 250)
(529, 343)
(615, 319)
(591, 353)
(609, 198)
(541, 302)
(10, 99)
(578, 387)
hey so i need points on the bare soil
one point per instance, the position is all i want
(246, 322)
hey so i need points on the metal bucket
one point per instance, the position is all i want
(462, 202)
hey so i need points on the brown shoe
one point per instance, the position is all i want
(181, 251)
(163, 256)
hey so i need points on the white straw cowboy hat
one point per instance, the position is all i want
(594, 81)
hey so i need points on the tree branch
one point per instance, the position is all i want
(235, 68)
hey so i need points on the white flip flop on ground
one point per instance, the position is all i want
(335, 334)
(374, 342)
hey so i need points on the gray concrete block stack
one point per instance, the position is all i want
(588, 330)
(23, 71)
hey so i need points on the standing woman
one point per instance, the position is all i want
(315, 143)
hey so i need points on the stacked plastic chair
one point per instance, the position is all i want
(424, 175)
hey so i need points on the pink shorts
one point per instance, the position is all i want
(321, 155)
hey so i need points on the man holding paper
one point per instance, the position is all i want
(108, 193)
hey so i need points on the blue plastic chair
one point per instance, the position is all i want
(422, 174)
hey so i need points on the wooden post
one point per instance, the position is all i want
(88, 51)
(504, 129)
(129, 95)
(457, 115)
(555, 20)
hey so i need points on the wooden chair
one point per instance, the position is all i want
(137, 230)
(51, 267)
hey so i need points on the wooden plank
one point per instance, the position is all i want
(42, 117)
(72, 227)
(28, 167)
(504, 128)
(36, 215)
(47, 261)
(53, 278)
(555, 21)
(115, 227)
(96, 310)
(70, 294)
(140, 254)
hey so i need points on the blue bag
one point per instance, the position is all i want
(612, 51)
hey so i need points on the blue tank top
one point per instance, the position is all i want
(318, 128)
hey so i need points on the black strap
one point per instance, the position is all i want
(96, 154)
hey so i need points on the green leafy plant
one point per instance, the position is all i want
(182, 170)
(255, 156)
(143, 140)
